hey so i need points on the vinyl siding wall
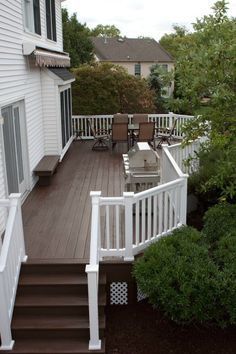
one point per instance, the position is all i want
(51, 110)
(20, 80)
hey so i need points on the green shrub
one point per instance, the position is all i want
(183, 277)
(177, 275)
(219, 221)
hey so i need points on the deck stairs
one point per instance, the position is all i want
(51, 310)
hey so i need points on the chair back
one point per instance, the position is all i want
(119, 132)
(146, 131)
(173, 127)
(93, 133)
(139, 118)
(121, 118)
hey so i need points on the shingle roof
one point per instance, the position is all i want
(129, 49)
(62, 73)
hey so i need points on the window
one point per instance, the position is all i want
(137, 69)
(164, 67)
(66, 116)
(32, 16)
(51, 20)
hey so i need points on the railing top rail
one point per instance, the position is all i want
(158, 189)
(7, 237)
(111, 201)
(172, 161)
(152, 115)
(4, 203)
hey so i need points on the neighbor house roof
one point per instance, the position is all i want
(130, 49)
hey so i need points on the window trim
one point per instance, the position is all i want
(137, 72)
(50, 17)
(29, 15)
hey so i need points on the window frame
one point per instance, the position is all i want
(50, 18)
(66, 115)
(30, 17)
(137, 69)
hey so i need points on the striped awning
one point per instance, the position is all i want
(47, 58)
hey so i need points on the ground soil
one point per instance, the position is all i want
(138, 329)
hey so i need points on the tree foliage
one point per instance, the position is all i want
(108, 89)
(158, 80)
(76, 38)
(205, 84)
(105, 31)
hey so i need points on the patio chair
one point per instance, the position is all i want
(139, 118)
(165, 134)
(120, 134)
(101, 138)
(146, 132)
(120, 118)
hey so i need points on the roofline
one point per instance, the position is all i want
(135, 61)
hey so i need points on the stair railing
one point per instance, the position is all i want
(92, 270)
(12, 254)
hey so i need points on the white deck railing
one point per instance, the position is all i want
(11, 256)
(82, 127)
(186, 156)
(124, 226)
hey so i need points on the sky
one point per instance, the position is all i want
(149, 18)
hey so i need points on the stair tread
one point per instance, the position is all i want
(56, 346)
(53, 322)
(57, 279)
(56, 300)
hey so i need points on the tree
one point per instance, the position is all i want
(158, 80)
(76, 38)
(105, 31)
(206, 71)
(107, 89)
(173, 42)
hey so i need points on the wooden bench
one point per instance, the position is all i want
(46, 168)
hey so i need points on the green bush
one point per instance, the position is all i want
(183, 277)
(177, 275)
(219, 221)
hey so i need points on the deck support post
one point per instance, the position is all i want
(92, 274)
(183, 200)
(128, 199)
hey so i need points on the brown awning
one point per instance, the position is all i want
(46, 58)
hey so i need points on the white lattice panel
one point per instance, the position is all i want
(119, 293)
(140, 296)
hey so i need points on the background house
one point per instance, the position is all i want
(136, 55)
(35, 91)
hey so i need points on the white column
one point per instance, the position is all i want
(128, 198)
(183, 200)
(92, 274)
(15, 199)
(5, 323)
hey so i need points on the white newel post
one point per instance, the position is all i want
(5, 323)
(15, 199)
(92, 274)
(183, 200)
(92, 271)
(128, 199)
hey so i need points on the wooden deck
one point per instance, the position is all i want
(57, 217)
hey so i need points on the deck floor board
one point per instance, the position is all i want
(57, 217)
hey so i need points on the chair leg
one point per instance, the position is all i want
(100, 144)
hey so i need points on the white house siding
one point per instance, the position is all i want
(145, 70)
(19, 81)
(42, 40)
(50, 111)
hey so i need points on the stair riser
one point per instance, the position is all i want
(48, 311)
(52, 268)
(53, 334)
(52, 289)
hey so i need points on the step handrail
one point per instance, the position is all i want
(12, 254)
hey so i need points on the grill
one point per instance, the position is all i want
(141, 168)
